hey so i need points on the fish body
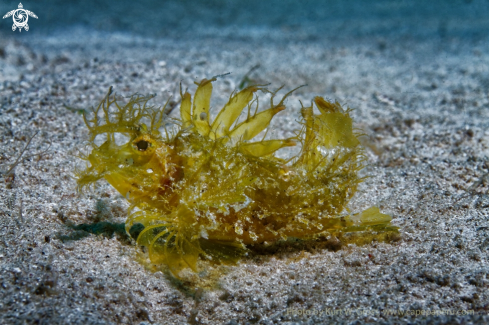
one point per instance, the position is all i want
(207, 189)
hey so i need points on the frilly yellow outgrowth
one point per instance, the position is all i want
(207, 189)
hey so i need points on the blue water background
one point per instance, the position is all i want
(294, 19)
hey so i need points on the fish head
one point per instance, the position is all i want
(134, 158)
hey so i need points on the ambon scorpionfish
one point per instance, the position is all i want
(207, 189)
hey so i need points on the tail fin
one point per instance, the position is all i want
(370, 218)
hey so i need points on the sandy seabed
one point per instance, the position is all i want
(423, 106)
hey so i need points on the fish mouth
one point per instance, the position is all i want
(135, 186)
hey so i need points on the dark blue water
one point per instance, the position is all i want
(303, 19)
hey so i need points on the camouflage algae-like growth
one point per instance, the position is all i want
(205, 188)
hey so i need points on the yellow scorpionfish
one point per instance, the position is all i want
(206, 189)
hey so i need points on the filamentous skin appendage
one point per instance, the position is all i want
(206, 189)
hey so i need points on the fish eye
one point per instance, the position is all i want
(142, 145)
